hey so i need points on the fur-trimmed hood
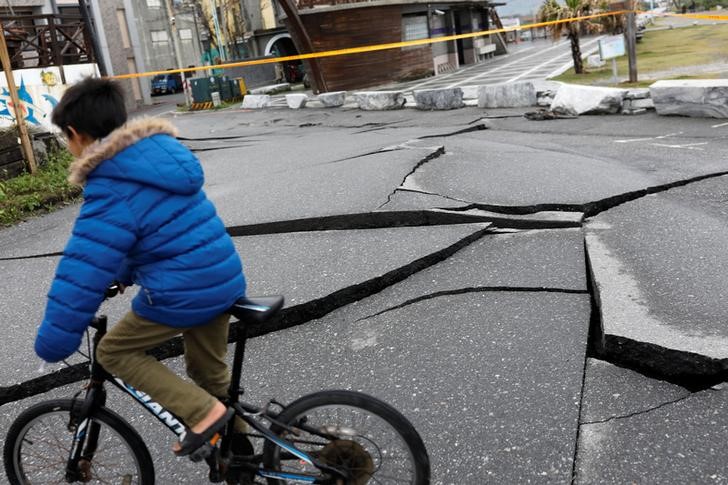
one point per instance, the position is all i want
(118, 140)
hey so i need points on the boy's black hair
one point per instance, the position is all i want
(94, 107)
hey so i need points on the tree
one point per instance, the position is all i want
(552, 10)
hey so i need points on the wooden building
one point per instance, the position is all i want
(337, 24)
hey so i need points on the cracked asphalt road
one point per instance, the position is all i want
(493, 278)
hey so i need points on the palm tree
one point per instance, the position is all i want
(552, 10)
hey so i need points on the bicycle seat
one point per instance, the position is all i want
(257, 309)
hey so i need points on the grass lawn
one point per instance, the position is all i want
(27, 195)
(663, 50)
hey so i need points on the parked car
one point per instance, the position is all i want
(166, 83)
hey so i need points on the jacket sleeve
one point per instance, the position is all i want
(102, 236)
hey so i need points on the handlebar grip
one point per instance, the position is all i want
(112, 290)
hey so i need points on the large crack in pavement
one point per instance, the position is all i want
(692, 371)
(287, 318)
(478, 289)
(439, 151)
(590, 209)
(367, 220)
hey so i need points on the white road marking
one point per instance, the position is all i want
(718, 126)
(632, 140)
(539, 66)
(687, 146)
(503, 66)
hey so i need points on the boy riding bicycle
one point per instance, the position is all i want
(145, 220)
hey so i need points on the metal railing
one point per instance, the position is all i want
(47, 40)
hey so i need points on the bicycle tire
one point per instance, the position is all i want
(17, 437)
(353, 400)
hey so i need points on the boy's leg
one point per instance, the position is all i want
(122, 352)
(205, 351)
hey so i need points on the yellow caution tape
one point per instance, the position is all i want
(370, 48)
(697, 16)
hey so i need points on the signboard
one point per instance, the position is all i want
(611, 47)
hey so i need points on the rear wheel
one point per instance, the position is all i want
(39, 443)
(353, 432)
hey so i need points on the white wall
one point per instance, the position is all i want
(39, 89)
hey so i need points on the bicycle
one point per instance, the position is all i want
(82, 441)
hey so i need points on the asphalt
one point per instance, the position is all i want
(479, 334)
(667, 289)
(636, 430)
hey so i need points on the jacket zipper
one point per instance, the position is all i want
(149, 296)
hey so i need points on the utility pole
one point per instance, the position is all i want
(90, 28)
(25, 144)
(177, 49)
(226, 30)
(631, 37)
(218, 35)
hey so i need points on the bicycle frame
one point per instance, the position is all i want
(86, 437)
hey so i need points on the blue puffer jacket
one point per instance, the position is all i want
(144, 220)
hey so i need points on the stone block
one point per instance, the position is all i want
(639, 93)
(439, 99)
(470, 92)
(701, 98)
(573, 99)
(333, 99)
(511, 95)
(256, 101)
(642, 103)
(380, 100)
(296, 101)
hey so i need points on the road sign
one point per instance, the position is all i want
(611, 47)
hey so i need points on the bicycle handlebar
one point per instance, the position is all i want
(113, 290)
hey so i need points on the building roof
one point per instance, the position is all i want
(307, 7)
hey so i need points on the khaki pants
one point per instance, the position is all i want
(122, 352)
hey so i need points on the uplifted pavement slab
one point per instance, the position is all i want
(304, 266)
(479, 169)
(301, 266)
(492, 381)
(527, 261)
(640, 431)
(659, 267)
(361, 184)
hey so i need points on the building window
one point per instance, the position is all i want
(123, 27)
(185, 34)
(154, 3)
(414, 27)
(159, 38)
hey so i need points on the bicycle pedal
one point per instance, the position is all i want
(202, 452)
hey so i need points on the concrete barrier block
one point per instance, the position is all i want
(256, 101)
(573, 99)
(380, 100)
(700, 98)
(439, 99)
(511, 95)
(296, 101)
(333, 99)
(470, 92)
(638, 93)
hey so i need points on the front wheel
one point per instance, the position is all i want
(39, 443)
(360, 435)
